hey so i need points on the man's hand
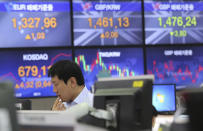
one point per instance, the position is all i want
(58, 105)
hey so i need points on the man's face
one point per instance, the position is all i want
(62, 89)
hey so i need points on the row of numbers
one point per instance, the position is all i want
(177, 21)
(33, 84)
(109, 35)
(34, 23)
(109, 22)
(179, 33)
(32, 71)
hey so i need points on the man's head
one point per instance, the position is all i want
(66, 76)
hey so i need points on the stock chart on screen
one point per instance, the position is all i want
(173, 21)
(35, 24)
(110, 22)
(29, 70)
(97, 63)
(178, 65)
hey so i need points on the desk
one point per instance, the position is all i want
(77, 127)
(46, 128)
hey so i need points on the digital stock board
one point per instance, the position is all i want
(173, 21)
(29, 70)
(179, 65)
(111, 22)
(35, 24)
(118, 62)
(107, 38)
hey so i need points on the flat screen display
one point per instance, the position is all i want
(164, 97)
(118, 62)
(178, 65)
(28, 70)
(35, 24)
(109, 22)
(173, 21)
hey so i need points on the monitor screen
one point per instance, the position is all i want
(35, 24)
(178, 65)
(173, 21)
(109, 62)
(164, 97)
(109, 22)
(28, 69)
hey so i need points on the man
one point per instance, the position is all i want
(68, 83)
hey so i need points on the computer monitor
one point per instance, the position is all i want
(8, 121)
(29, 70)
(129, 97)
(109, 62)
(181, 65)
(194, 99)
(164, 98)
(31, 23)
(107, 22)
(173, 21)
(23, 104)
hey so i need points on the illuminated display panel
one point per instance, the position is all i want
(98, 63)
(178, 65)
(163, 98)
(173, 21)
(29, 70)
(109, 22)
(35, 24)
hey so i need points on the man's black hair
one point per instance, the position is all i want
(65, 69)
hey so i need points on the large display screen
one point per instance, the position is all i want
(179, 65)
(164, 98)
(28, 69)
(173, 21)
(98, 63)
(109, 22)
(35, 24)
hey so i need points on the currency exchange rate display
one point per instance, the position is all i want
(173, 22)
(178, 65)
(29, 70)
(118, 62)
(111, 22)
(35, 24)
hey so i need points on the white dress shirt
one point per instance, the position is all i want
(85, 96)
